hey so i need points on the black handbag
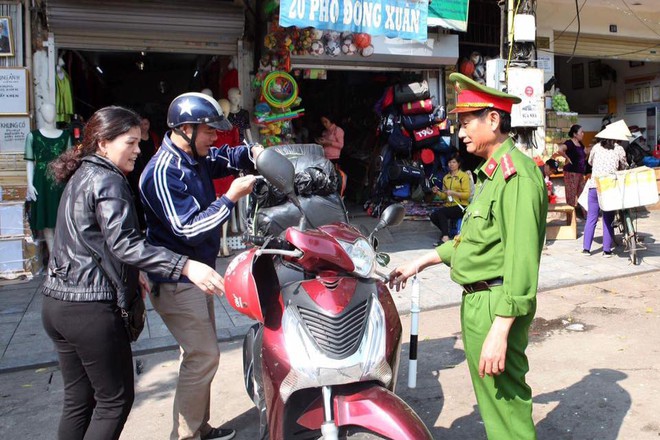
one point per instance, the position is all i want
(133, 316)
(411, 92)
(136, 313)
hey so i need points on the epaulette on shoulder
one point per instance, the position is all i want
(508, 169)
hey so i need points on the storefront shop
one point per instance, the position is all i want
(141, 54)
(609, 70)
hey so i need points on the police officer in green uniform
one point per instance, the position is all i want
(496, 260)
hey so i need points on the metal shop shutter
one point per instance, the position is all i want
(606, 47)
(195, 26)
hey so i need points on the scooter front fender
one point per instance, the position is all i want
(373, 408)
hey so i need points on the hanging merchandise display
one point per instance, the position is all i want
(279, 93)
(411, 130)
(283, 42)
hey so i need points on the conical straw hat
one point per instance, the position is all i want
(616, 130)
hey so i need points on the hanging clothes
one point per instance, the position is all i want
(230, 138)
(42, 150)
(229, 81)
(63, 97)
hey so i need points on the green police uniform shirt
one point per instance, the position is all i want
(503, 231)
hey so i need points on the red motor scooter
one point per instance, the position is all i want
(323, 359)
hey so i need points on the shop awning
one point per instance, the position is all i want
(390, 54)
(201, 26)
(605, 47)
(449, 14)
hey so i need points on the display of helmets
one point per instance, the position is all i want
(196, 108)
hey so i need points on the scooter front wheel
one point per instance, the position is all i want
(358, 433)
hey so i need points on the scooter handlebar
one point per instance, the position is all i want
(270, 242)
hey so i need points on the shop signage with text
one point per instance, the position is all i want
(392, 18)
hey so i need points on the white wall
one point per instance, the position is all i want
(555, 16)
(587, 100)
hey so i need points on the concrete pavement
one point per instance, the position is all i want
(24, 344)
(593, 357)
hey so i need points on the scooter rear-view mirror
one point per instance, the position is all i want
(278, 170)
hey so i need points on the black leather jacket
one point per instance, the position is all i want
(97, 209)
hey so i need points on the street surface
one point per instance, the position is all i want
(594, 360)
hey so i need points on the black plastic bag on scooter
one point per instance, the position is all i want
(315, 184)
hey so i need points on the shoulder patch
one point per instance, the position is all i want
(508, 169)
(490, 167)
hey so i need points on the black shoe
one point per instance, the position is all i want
(585, 252)
(607, 254)
(219, 434)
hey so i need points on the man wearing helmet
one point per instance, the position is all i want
(183, 214)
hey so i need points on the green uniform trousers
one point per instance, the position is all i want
(505, 401)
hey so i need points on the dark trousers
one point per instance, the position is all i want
(97, 367)
(441, 216)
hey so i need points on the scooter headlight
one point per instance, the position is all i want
(363, 256)
(311, 367)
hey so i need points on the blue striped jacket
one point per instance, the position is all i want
(179, 200)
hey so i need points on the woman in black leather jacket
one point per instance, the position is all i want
(97, 222)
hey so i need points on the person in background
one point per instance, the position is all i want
(605, 157)
(300, 132)
(550, 167)
(332, 139)
(574, 152)
(496, 259)
(149, 143)
(97, 228)
(184, 215)
(455, 192)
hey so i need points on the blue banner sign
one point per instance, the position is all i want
(392, 18)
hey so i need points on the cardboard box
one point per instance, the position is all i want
(11, 219)
(11, 255)
(627, 189)
(14, 193)
(20, 257)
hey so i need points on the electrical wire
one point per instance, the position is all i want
(577, 36)
(613, 56)
(569, 24)
(639, 19)
(508, 61)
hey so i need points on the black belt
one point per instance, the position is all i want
(482, 285)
